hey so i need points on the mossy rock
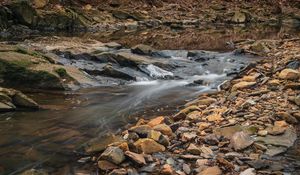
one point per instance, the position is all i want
(61, 72)
(16, 74)
(23, 12)
(16, 69)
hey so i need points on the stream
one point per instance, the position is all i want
(47, 138)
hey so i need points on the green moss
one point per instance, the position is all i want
(61, 72)
(18, 75)
(34, 54)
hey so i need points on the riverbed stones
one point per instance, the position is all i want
(287, 139)
(167, 170)
(106, 165)
(183, 113)
(164, 129)
(242, 85)
(136, 158)
(113, 154)
(287, 117)
(215, 170)
(289, 74)
(241, 140)
(99, 144)
(156, 121)
(193, 149)
(249, 171)
(148, 146)
(141, 130)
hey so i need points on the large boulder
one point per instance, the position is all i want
(23, 12)
(27, 68)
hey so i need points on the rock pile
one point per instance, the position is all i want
(242, 129)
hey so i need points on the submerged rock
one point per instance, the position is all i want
(99, 144)
(19, 99)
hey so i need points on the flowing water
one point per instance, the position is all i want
(48, 138)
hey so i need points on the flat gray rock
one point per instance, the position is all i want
(287, 139)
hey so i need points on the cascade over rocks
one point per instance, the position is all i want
(241, 130)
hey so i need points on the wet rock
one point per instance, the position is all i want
(241, 140)
(141, 130)
(113, 45)
(99, 144)
(249, 171)
(110, 71)
(19, 99)
(242, 85)
(136, 158)
(164, 129)
(156, 121)
(215, 170)
(167, 170)
(149, 146)
(113, 154)
(142, 49)
(193, 149)
(5, 107)
(183, 113)
(287, 117)
(106, 165)
(156, 72)
(158, 137)
(289, 74)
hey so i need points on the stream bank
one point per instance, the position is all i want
(246, 128)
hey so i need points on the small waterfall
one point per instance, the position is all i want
(156, 72)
